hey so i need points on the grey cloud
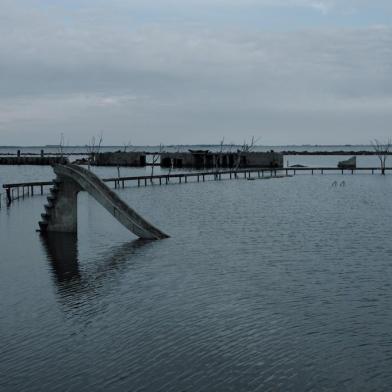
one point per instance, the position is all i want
(189, 85)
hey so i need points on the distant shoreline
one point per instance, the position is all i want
(285, 153)
(53, 146)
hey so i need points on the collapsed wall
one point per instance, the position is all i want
(208, 159)
(119, 158)
(26, 160)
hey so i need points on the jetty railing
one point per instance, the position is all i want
(16, 191)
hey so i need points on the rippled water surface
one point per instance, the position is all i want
(270, 285)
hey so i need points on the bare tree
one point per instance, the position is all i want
(93, 148)
(61, 149)
(171, 166)
(127, 145)
(155, 157)
(61, 146)
(230, 147)
(245, 148)
(382, 149)
(218, 158)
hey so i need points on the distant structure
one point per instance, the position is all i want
(26, 160)
(350, 163)
(204, 159)
(119, 158)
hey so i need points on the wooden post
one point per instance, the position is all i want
(179, 178)
(312, 171)
(122, 183)
(372, 171)
(160, 180)
(8, 192)
(145, 182)
(352, 171)
(42, 190)
(198, 179)
(138, 182)
(186, 178)
(203, 178)
(32, 190)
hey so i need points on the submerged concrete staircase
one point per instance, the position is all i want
(61, 209)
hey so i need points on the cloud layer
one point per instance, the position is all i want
(63, 72)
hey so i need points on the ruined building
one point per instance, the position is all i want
(200, 159)
(120, 158)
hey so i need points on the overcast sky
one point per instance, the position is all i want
(194, 71)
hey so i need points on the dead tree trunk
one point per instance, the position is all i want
(382, 151)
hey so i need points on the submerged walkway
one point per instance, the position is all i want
(16, 191)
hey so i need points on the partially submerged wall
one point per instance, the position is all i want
(120, 158)
(23, 160)
(263, 159)
(207, 159)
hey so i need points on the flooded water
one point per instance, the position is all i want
(270, 285)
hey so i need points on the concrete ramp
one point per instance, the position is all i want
(61, 210)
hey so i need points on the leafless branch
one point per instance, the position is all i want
(218, 158)
(61, 145)
(155, 158)
(93, 148)
(245, 148)
(382, 149)
(127, 145)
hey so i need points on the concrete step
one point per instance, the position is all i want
(48, 207)
(51, 203)
(45, 217)
(43, 225)
(52, 198)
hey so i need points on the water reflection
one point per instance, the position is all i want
(74, 276)
(62, 252)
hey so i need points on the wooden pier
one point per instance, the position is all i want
(20, 190)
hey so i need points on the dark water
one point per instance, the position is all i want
(274, 285)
